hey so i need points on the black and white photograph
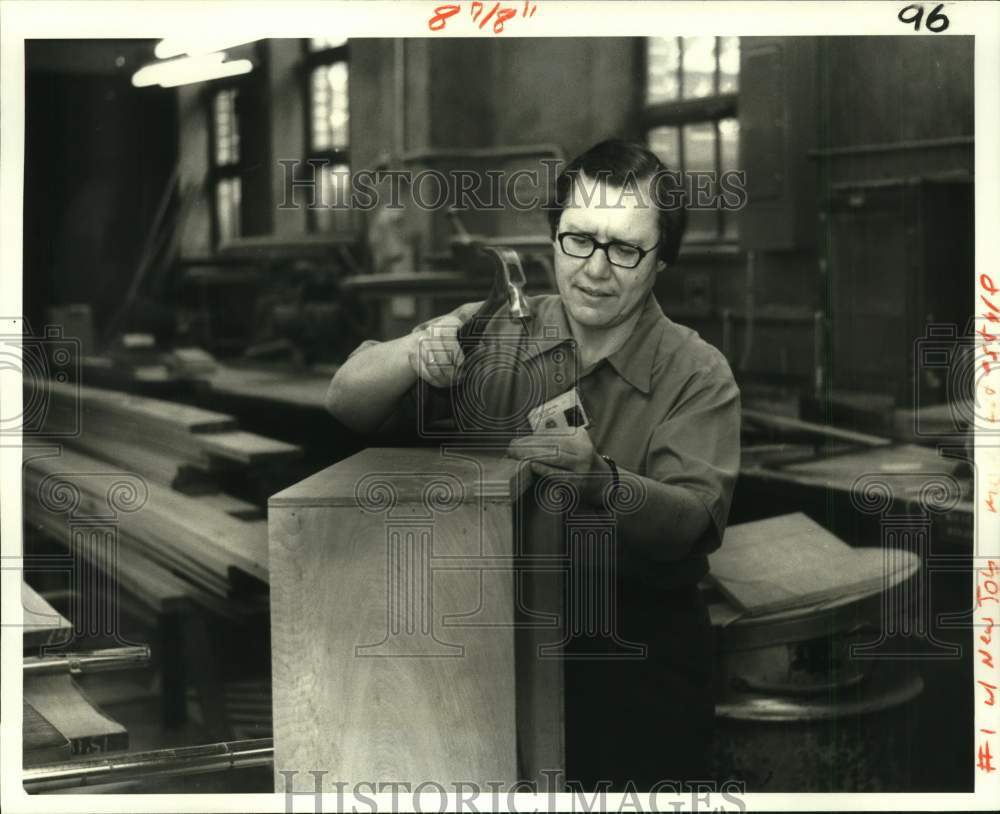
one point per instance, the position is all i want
(499, 406)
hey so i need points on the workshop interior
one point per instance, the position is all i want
(195, 273)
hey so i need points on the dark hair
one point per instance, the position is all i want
(619, 162)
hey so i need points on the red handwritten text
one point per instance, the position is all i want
(482, 14)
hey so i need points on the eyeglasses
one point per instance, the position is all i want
(623, 255)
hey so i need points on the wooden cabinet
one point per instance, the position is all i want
(399, 645)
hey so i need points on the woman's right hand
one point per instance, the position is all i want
(435, 354)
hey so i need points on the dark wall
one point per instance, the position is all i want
(98, 154)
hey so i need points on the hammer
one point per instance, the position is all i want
(508, 288)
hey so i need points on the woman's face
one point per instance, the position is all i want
(595, 292)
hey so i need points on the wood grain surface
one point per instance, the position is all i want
(487, 474)
(41, 742)
(59, 701)
(393, 649)
(792, 562)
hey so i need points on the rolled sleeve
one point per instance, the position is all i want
(421, 406)
(697, 446)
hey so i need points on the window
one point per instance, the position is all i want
(225, 166)
(327, 131)
(689, 116)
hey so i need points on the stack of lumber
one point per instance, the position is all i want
(189, 538)
(186, 448)
(169, 532)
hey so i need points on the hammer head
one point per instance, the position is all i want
(511, 280)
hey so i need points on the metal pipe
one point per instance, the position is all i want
(97, 661)
(214, 757)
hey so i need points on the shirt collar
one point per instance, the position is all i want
(633, 361)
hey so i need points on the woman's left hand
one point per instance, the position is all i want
(569, 452)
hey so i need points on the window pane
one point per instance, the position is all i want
(729, 64)
(227, 136)
(699, 157)
(665, 142)
(662, 61)
(729, 154)
(329, 107)
(699, 67)
(322, 43)
(333, 213)
(227, 202)
(699, 147)
(729, 144)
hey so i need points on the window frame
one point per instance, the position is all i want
(681, 112)
(310, 61)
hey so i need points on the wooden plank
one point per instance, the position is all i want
(248, 448)
(135, 440)
(168, 414)
(790, 562)
(41, 742)
(57, 699)
(296, 389)
(211, 577)
(154, 464)
(42, 624)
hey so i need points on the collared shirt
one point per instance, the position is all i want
(664, 405)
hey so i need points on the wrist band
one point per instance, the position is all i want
(612, 493)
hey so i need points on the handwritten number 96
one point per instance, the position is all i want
(914, 13)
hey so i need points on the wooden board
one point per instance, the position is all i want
(42, 624)
(58, 700)
(205, 573)
(791, 562)
(296, 389)
(248, 448)
(41, 742)
(166, 414)
(140, 438)
(158, 465)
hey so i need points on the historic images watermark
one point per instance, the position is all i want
(321, 184)
(459, 795)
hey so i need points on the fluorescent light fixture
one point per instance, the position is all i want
(234, 68)
(193, 46)
(187, 70)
